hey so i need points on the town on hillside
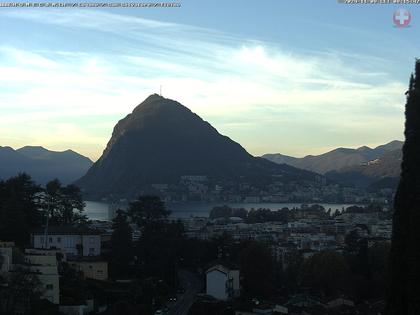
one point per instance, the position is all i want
(307, 260)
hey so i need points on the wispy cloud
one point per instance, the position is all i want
(246, 88)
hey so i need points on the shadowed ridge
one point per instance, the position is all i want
(162, 140)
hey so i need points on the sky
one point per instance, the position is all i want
(296, 77)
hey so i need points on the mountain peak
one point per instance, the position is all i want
(152, 99)
(6, 148)
(33, 151)
(42, 164)
(37, 148)
(364, 148)
(390, 146)
(162, 140)
(339, 158)
(157, 106)
(154, 113)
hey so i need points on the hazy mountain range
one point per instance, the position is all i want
(162, 140)
(360, 167)
(42, 164)
(382, 172)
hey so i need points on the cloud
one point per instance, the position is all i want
(242, 86)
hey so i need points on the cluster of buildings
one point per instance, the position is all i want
(78, 247)
(223, 284)
(302, 304)
(314, 232)
(201, 188)
(310, 232)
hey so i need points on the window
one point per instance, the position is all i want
(51, 240)
(92, 240)
(58, 239)
(100, 271)
(90, 266)
(91, 251)
(49, 286)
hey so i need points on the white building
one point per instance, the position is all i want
(73, 241)
(44, 264)
(82, 309)
(6, 256)
(222, 283)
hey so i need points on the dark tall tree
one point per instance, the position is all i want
(64, 203)
(17, 289)
(220, 212)
(325, 273)
(146, 209)
(257, 271)
(404, 288)
(19, 209)
(121, 245)
(160, 239)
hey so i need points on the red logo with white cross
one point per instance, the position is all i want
(402, 18)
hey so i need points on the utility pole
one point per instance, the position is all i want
(46, 225)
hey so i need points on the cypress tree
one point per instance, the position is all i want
(121, 245)
(404, 287)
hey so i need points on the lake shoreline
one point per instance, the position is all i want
(101, 211)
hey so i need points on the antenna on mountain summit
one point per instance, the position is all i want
(160, 90)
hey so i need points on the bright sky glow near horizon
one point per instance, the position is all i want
(295, 77)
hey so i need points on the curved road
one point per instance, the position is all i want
(192, 285)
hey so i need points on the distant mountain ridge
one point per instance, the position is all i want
(42, 164)
(336, 159)
(382, 172)
(162, 140)
(361, 167)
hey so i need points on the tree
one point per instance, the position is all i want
(160, 250)
(19, 209)
(404, 288)
(220, 212)
(378, 257)
(353, 242)
(121, 245)
(146, 209)
(326, 273)
(64, 203)
(257, 271)
(17, 289)
(290, 272)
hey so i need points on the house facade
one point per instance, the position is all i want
(6, 256)
(44, 264)
(92, 269)
(71, 240)
(222, 283)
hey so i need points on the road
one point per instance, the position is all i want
(192, 285)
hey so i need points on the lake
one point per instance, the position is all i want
(100, 211)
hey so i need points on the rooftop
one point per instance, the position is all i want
(66, 230)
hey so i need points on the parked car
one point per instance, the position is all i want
(181, 290)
